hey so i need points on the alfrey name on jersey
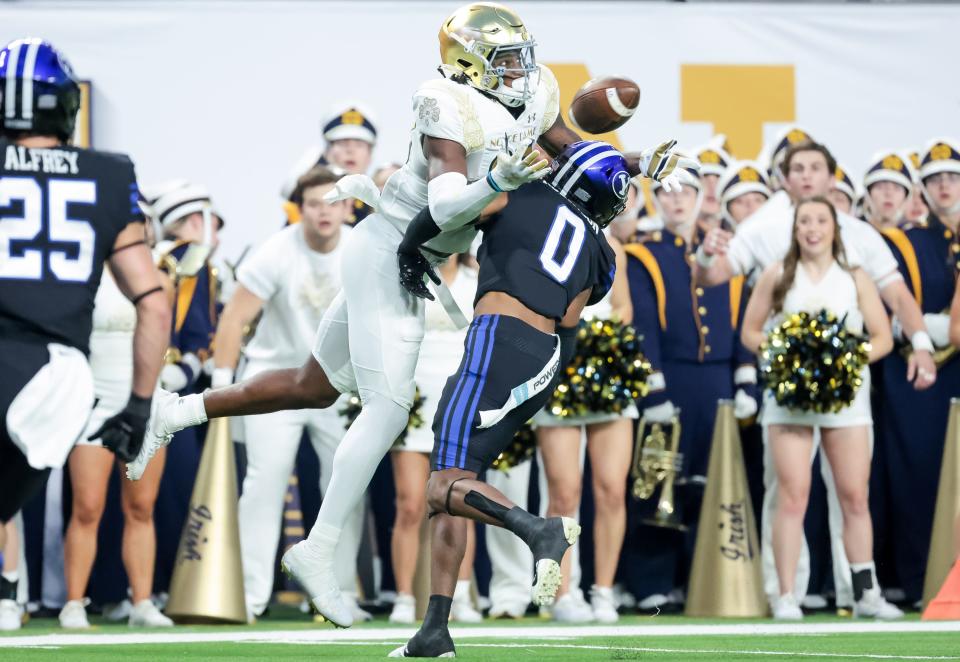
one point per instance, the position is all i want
(31, 159)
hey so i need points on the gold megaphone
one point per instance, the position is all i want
(656, 461)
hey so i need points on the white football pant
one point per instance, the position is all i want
(272, 441)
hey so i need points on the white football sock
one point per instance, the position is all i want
(363, 446)
(189, 411)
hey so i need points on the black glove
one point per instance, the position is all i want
(123, 433)
(411, 261)
(412, 268)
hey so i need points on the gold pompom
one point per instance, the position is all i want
(607, 373)
(811, 362)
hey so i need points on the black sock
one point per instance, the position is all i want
(862, 581)
(486, 506)
(438, 612)
(516, 519)
(8, 589)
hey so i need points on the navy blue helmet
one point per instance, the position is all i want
(38, 91)
(592, 175)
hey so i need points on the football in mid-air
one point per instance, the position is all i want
(604, 104)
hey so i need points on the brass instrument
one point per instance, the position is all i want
(656, 461)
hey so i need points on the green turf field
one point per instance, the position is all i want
(295, 637)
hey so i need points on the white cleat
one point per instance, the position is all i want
(359, 613)
(873, 605)
(313, 570)
(402, 652)
(145, 614)
(11, 616)
(159, 432)
(73, 616)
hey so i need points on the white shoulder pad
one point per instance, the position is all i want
(445, 109)
(550, 89)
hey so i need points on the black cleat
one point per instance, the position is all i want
(435, 643)
(548, 547)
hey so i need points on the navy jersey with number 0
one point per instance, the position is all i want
(541, 251)
(61, 210)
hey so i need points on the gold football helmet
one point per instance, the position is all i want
(485, 43)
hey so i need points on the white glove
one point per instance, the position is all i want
(358, 187)
(173, 378)
(938, 326)
(743, 405)
(665, 166)
(512, 169)
(662, 413)
(221, 377)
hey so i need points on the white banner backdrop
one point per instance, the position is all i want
(230, 93)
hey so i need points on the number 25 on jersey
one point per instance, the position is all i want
(27, 264)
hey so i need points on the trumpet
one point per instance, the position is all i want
(656, 461)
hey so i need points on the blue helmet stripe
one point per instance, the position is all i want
(559, 178)
(583, 166)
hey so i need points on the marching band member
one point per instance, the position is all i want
(915, 423)
(691, 338)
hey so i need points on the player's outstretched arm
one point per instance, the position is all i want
(138, 278)
(558, 137)
(454, 202)
(240, 311)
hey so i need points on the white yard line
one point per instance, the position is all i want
(330, 635)
(686, 651)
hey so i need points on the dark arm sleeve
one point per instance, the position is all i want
(420, 230)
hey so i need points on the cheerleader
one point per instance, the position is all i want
(440, 355)
(610, 444)
(90, 464)
(814, 276)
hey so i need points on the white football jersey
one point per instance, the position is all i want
(297, 285)
(461, 113)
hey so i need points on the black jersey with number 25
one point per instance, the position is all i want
(543, 252)
(61, 210)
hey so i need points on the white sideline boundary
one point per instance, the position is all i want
(329, 635)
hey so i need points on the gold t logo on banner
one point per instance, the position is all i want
(737, 100)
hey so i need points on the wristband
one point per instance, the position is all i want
(492, 182)
(745, 374)
(704, 260)
(921, 342)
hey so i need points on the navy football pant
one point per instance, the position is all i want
(19, 362)
(500, 353)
